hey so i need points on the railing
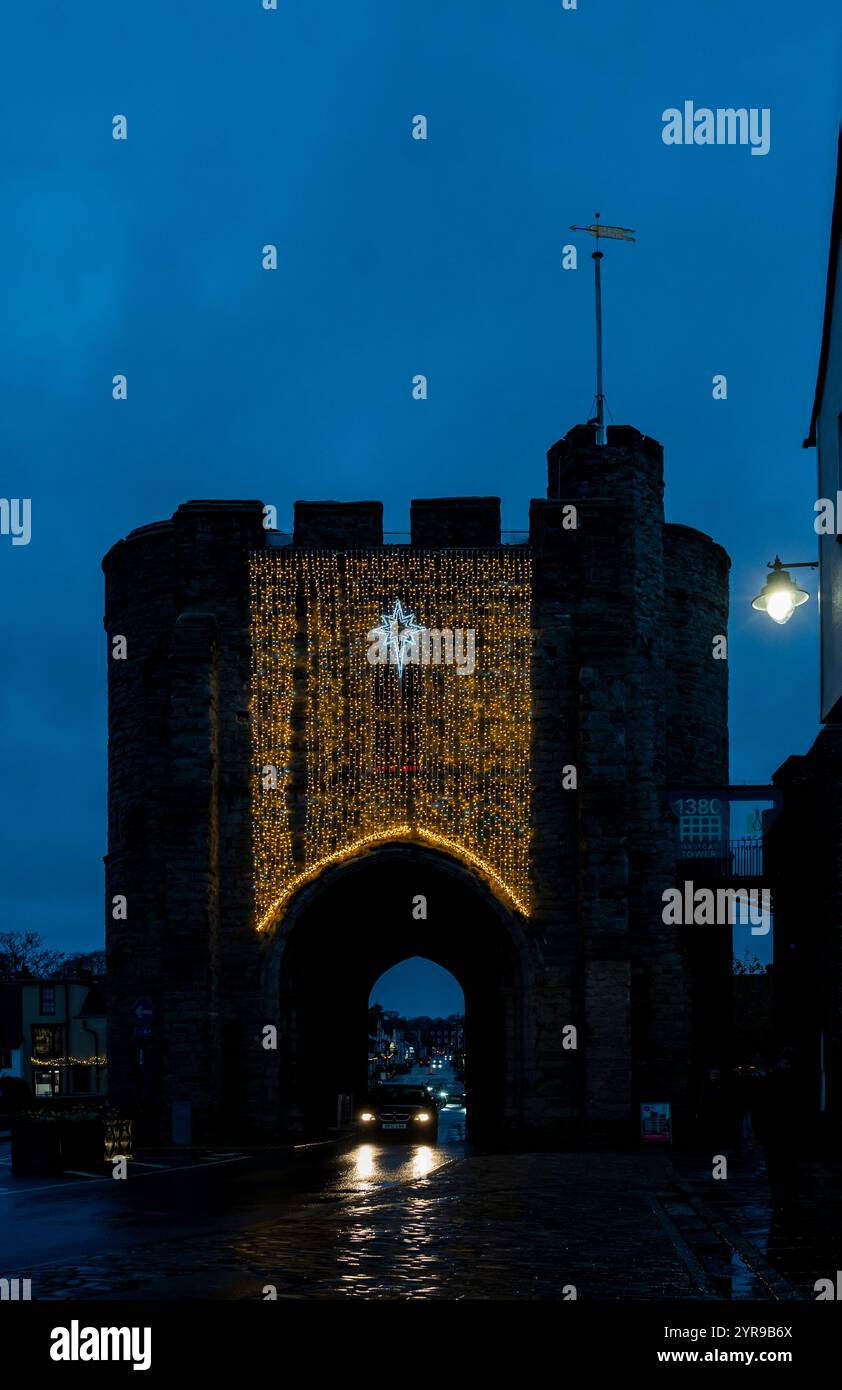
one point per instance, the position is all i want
(735, 859)
(276, 539)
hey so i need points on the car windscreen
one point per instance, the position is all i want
(397, 1095)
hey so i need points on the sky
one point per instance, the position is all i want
(419, 986)
(396, 257)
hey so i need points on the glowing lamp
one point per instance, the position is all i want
(779, 596)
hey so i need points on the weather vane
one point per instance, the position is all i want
(616, 234)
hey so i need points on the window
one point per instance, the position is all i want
(47, 1081)
(46, 1042)
(47, 1003)
(80, 1079)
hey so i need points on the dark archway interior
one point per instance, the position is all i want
(356, 926)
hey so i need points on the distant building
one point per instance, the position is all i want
(63, 1037)
(377, 1045)
(11, 1029)
(446, 1036)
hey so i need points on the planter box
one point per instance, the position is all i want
(36, 1148)
(81, 1143)
(42, 1147)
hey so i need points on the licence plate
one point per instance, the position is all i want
(393, 1126)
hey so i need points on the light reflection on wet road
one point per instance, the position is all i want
(173, 1194)
(368, 1167)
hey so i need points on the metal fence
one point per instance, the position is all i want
(277, 539)
(742, 858)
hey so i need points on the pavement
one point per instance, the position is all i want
(796, 1242)
(401, 1221)
(489, 1226)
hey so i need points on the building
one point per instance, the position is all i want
(11, 1029)
(312, 733)
(444, 1036)
(377, 1046)
(825, 436)
(805, 845)
(63, 1037)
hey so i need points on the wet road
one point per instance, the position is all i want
(170, 1193)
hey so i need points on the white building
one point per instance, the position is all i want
(825, 435)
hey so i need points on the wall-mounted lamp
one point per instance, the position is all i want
(779, 596)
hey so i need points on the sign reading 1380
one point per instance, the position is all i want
(698, 806)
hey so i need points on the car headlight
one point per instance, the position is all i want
(367, 1115)
(422, 1116)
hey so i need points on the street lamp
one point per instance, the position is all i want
(779, 597)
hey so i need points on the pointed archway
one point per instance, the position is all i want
(355, 923)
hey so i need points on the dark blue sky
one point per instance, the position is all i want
(419, 986)
(396, 257)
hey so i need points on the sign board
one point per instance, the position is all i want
(143, 1014)
(181, 1127)
(656, 1122)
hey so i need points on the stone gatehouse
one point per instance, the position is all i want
(290, 813)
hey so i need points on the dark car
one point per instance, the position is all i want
(403, 1112)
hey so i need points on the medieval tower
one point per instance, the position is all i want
(280, 804)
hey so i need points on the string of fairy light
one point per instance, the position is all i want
(348, 754)
(69, 1061)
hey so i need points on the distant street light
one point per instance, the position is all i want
(779, 596)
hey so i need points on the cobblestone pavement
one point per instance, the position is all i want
(800, 1238)
(519, 1226)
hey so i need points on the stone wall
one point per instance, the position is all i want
(696, 612)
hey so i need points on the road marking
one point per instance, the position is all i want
(54, 1187)
(75, 1173)
(136, 1163)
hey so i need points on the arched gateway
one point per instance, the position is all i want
(327, 754)
(354, 923)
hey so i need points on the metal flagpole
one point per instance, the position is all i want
(617, 234)
(600, 394)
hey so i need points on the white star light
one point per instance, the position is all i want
(399, 631)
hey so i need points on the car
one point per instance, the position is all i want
(402, 1112)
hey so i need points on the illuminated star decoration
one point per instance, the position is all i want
(399, 631)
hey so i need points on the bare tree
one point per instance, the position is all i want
(86, 964)
(24, 953)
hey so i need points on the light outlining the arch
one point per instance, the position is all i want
(346, 756)
(395, 832)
